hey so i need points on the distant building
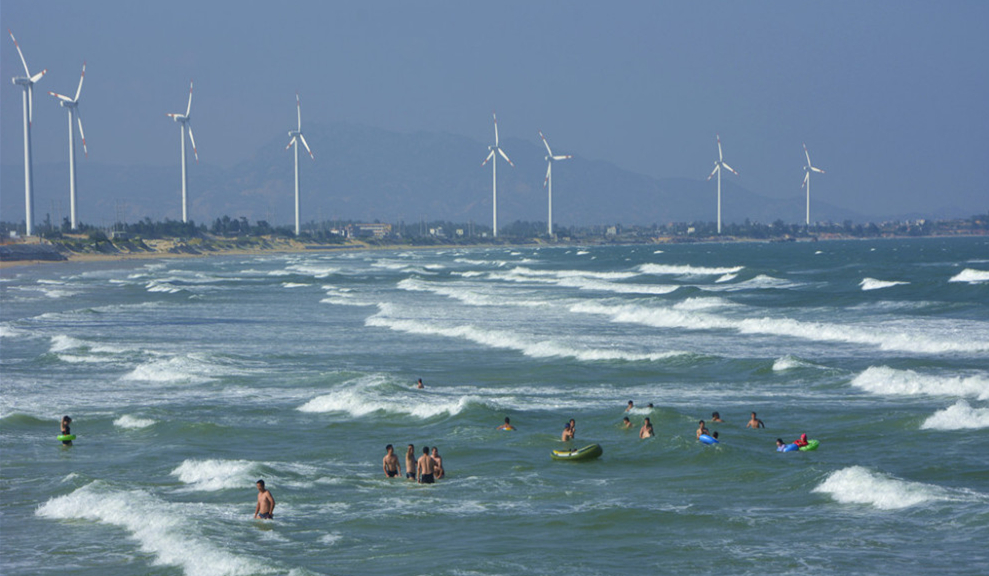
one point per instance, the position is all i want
(368, 230)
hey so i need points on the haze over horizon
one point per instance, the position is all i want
(889, 98)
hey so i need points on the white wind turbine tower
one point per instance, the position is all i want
(184, 121)
(72, 105)
(718, 165)
(27, 82)
(494, 174)
(549, 178)
(808, 169)
(296, 138)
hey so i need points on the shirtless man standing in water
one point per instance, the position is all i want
(755, 422)
(410, 463)
(390, 462)
(426, 467)
(266, 503)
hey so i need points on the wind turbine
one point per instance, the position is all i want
(27, 82)
(718, 165)
(494, 174)
(296, 137)
(549, 178)
(808, 169)
(72, 105)
(184, 121)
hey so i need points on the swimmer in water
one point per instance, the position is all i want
(567, 433)
(630, 406)
(390, 462)
(716, 417)
(265, 509)
(755, 423)
(66, 431)
(439, 462)
(802, 441)
(410, 463)
(419, 384)
(426, 467)
(626, 423)
(507, 425)
(780, 446)
(646, 430)
(701, 429)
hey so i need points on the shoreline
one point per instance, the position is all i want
(167, 248)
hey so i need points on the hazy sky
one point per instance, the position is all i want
(892, 98)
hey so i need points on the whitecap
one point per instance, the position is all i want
(132, 422)
(873, 284)
(686, 270)
(959, 416)
(214, 475)
(886, 380)
(790, 362)
(971, 276)
(859, 485)
(161, 528)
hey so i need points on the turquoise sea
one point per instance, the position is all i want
(189, 379)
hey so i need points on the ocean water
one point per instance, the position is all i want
(189, 379)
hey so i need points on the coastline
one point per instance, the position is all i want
(159, 249)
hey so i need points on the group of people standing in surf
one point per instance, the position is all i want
(427, 469)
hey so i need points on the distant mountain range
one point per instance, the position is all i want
(364, 173)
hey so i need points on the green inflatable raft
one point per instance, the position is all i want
(586, 453)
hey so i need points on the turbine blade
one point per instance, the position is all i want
(188, 108)
(565, 157)
(23, 61)
(306, 144)
(38, 76)
(815, 169)
(81, 78)
(30, 104)
(496, 127)
(806, 178)
(173, 116)
(715, 171)
(490, 156)
(298, 110)
(193, 140)
(290, 142)
(505, 156)
(545, 142)
(81, 133)
(730, 169)
(806, 153)
(549, 168)
(61, 97)
(720, 157)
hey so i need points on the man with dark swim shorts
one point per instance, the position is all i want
(266, 503)
(390, 462)
(426, 467)
(410, 463)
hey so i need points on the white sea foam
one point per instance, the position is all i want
(873, 284)
(293, 285)
(971, 276)
(713, 303)
(132, 422)
(760, 282)
(726, 278)
(469, 297)
(663, 317)
(331, 538)
(191, 369)
(790, 362)
(7, 331)
(361, 401)
(558, 274)
(686, 270)
(162, 286)
(64, 343)
(213, 475)
(886, 380)
(959, 416)
(615, 287)
(314, 270)
(161, 528)
(510, 340)
(859, 485)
